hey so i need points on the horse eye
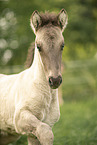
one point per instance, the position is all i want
(62, 46)
(39, 47)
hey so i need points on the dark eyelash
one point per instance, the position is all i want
(62, 46)
(39, 47)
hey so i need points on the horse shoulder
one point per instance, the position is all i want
(9, 88)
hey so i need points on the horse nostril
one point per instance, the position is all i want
(51, 81)
(60, 79)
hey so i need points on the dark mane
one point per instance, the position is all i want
(49, 19)
(30, 55)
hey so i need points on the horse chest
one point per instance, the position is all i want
(46, 105)
(50, 112)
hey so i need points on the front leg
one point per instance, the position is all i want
(27, 123)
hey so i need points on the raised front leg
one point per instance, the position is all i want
(27, 123)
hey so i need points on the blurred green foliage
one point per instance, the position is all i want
(80, 80)
(16, 34)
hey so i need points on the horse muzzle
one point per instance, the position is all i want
(54, 83)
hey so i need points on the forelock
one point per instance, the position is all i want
(49, 19)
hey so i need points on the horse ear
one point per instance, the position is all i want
(35, 20)
(62, 19)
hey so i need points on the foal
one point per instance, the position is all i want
(29, 100)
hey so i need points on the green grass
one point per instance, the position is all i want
(77, 124)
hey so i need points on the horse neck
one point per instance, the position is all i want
(37, 67)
